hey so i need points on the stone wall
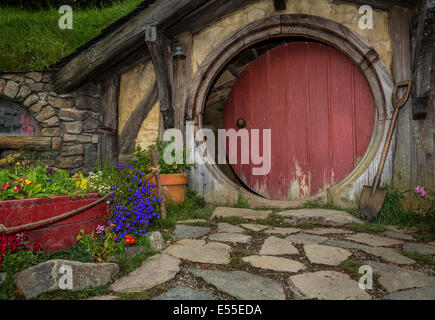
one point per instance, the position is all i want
(71, 120)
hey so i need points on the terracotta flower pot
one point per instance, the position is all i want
(173, 185)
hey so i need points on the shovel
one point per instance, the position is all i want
(372, 198)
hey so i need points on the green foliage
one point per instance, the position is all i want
(418, 257)
(241, 202)
(145, 295)
(275, 220)
(128, 265)
(352, 267)
(74, 253)
(234, 220)
(32, 40)
(366, 227)
(190, 208)
(18, 261)
(74, 295)
(236, 261)
(46, 4)
(37, 182)
(100, 248)
(143, 159)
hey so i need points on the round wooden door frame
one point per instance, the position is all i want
(324, 30)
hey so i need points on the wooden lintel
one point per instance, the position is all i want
(423, 43)
(158, 48)
(25, 142)
(280, 5)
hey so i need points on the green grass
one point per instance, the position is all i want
(351, 267)
(191, 208)
(234, 220)
(32, 40)
(128, 265)
(418, 257)
(241, 202)
(144, 295)
(366, 227)
(274, 220)
(75, 295)
(236, 261)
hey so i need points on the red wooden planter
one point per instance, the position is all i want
(59, 234)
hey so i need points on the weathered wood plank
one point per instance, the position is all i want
(120, 42)
(158, 48)
(25, 142)
(108, 142)
(423, 43)
(280, 5)
(127, 139)
(181, 78)
(205, 15)
(399, 25)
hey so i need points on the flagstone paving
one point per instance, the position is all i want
(257, 261)
(274, 246)
(274, 263)
(325, 254)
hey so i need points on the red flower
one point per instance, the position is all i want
(129, 240)
(5, 186)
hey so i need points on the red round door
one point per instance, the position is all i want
(319, 108)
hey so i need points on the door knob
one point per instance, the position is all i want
(241, 123)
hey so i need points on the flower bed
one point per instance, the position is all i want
(57, 235)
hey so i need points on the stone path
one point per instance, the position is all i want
(257, 261)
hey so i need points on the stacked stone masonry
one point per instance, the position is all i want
(71, 120)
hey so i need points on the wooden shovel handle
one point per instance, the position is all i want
(398, 103)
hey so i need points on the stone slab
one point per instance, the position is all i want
(274, 246)
(230, 237)
(344, 244)
(249, 214)
(185, 293)
(320, 254)
(323, 231)
(253, 227)
(393, 278)
(274, 263)
(303, 238)
(327, 285)
(189, 232)
(412, 294)
(421, 248)
(242, 285)
(374, 240)
(398, 235)
(388, 254)
(319, 216)
(200, 251)
(228, 228)
(104, 298)
(46, 276)
(282, 231)
(191, 221)
(153, 271)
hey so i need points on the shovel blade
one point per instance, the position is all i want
(370, 205)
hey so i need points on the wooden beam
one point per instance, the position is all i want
(181, 78)
(127, 139)
(25, 142)
(423, 44)
(205, 15)
(383, 4)
(280, 5)
(118, 44)
(399, 25)
(158, 48)
(108, 130)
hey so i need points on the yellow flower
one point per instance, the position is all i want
(27, 181)
(175, 165)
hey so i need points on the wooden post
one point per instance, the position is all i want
(108, 130)
(159, 185)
